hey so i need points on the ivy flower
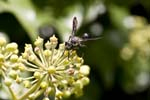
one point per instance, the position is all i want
(8, 58)
(57, 73)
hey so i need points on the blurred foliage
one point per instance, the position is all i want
(119, 61)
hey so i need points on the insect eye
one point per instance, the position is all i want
(85, 36)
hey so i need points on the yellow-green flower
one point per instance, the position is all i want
(8, 58)
(56, 72)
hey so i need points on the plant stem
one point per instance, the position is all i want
(12, 93)
(32, 89)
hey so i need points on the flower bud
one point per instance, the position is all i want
(44, 85)
(53, 41)
(85, 80)
(66, 94)
(66, 53)
(78, 84)
(25, 55)
(7, 81)
(48, 45)
(27, 84)
(31, 58)
(51, 70)
(2, 41)
(37, 75)
(14, 58)
(21, 67)
(28, 49)
(11, 47)
(15, 66)
(47, 53)
(13, 74)
(85, 70)
(18, 79)
(38, 42)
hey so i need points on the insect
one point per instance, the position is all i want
(74, 42)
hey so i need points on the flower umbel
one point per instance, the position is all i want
(57, 73)
(8, 58)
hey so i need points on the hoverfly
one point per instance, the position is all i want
(74, 42)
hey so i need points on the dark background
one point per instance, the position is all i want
(111, 76)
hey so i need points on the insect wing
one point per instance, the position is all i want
(74, 26)
(89, 39)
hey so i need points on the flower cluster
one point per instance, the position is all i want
(10, 66)
(8, 60)
(56, 73)
(44, 69)
(136, 55)
(138, 44)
